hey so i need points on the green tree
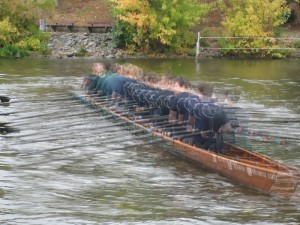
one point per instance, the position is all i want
(163, 25)
(18, 23)
(258, 19)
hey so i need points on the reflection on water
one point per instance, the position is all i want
(71, 165)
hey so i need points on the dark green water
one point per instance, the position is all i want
(69, 165)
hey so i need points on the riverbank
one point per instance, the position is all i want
(100, 45)
(66, 45)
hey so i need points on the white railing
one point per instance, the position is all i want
(199, 48)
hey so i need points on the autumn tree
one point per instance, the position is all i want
(255, 19)
(18, 25)
(161, 25)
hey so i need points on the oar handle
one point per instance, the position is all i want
(166, 124)
(171, 133)
(193, 133)
(155, 118)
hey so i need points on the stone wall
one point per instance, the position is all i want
(64, 45)
(100, 45)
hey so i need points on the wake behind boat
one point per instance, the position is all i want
(151, 110)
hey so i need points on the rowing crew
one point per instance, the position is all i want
(192, 115)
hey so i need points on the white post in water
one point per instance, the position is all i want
(198, 46)
(42, 24)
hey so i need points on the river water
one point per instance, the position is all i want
(69, 165)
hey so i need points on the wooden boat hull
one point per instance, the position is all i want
(262, 173)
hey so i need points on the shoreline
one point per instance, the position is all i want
(99, 45)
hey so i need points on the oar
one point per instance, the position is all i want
(296, 120)
(190, 134)
(127, 112)
(151, 119)
(117, 105)
(102, 128)
(168, 124)
(98, 144)
(171, 133)
(137, 121)
(49, 114)
(6, 129)
(105, 100)
(156, 139)
(108, 138)
(17, 122)
(256, 135)
(55, 128)
(42, 100)
(265, 139)
(47, 131)
(7, 114)
(159, 125)
(268, 139)
(105, 104)
(143, 113)
(95, 97)
(126, 122)
(173, 127)
(38, 109)
(138, 113)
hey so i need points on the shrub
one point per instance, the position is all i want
(13, 51)
(296, 44)
(81, 51)
(8, 32)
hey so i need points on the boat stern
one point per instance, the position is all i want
(287, 185)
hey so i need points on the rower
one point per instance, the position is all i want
(178, 113)
(212, 121)
(90, 81)
(201, 95)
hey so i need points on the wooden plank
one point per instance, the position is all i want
(69, 24)
(64, 22)
(98, 24)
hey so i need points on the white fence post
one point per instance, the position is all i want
(198, 46)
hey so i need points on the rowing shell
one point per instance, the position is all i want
(251, 169)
